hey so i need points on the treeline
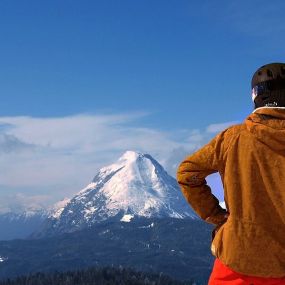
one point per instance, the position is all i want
(95, 276)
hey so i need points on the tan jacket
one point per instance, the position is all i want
(250, 158)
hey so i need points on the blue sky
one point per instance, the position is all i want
(161, 69)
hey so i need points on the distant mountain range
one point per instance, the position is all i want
(22, 224)
(135, 185)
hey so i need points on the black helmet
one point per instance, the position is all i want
(268, 85)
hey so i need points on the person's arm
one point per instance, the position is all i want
(191, 176)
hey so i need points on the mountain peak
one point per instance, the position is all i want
(131, 156)
(135, 185)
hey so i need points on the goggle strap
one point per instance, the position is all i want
(268, 86)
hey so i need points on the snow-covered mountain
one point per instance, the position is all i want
(135, 185)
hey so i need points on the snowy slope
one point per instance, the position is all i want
(56, 210)
(135, 185)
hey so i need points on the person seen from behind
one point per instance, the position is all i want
(248, 240)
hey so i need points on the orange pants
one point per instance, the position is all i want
(223, 275)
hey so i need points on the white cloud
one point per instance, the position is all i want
(9, 143)
(59, 156)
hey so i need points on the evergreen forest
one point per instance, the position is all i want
(96, 276)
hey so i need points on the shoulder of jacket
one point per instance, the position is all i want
(224, 140)
(234, 130)
(229, 134)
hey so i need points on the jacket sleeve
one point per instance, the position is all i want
(191, 176)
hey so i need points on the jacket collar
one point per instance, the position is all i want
(276, 112)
